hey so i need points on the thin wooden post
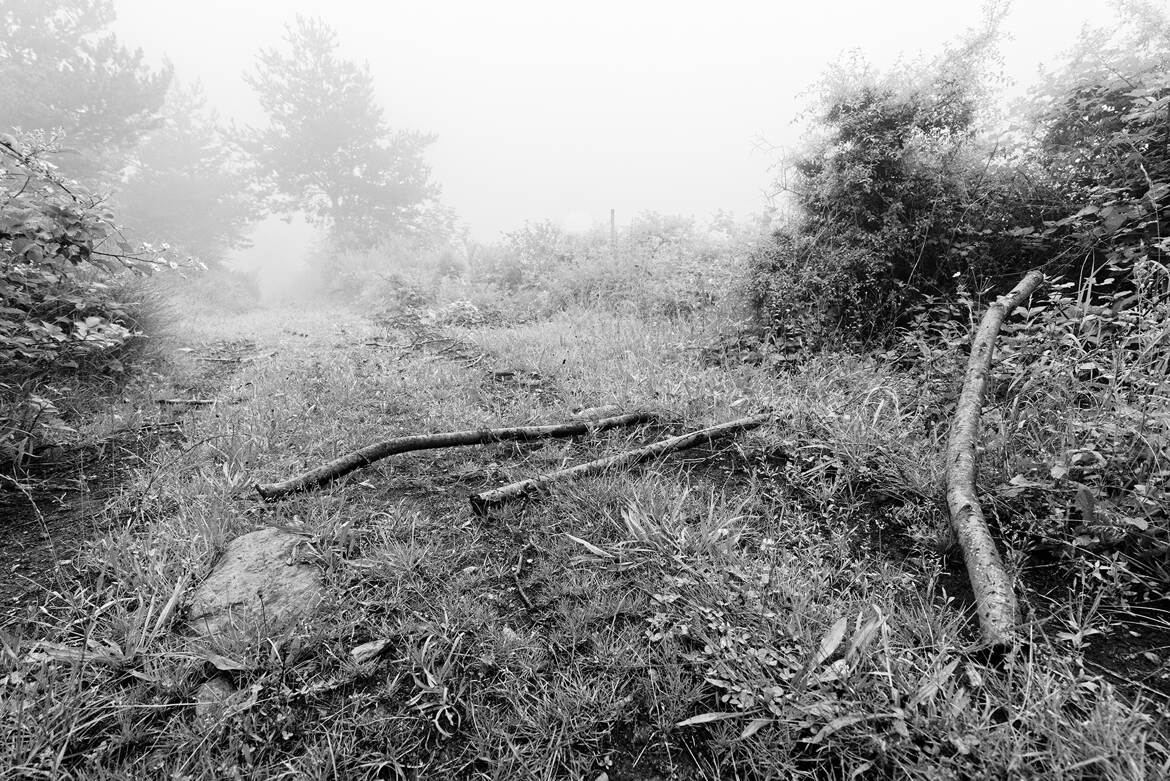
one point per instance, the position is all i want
(613, 234)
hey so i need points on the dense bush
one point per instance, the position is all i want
(914, 191)
(398, 273)
(65, 305)
(662, 265)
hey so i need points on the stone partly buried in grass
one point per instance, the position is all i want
(260, 585)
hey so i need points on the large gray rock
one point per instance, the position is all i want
(261, 583)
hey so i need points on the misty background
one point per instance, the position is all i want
(549, 111)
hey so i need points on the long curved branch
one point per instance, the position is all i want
(995, 598)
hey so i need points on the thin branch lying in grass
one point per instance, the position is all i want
(517, 571)
(376, 452)
(995, 599)
(136, 430)
(192, 402)
(482, 502)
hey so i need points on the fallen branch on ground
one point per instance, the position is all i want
(995, 599)
(194, 402)
(368, 455)
(482, 502)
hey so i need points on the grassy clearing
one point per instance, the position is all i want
(781, 606)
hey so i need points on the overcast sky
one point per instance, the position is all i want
(564, 110)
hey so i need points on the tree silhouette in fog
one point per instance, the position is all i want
(62, 71)
(187, 186)
(327, 151)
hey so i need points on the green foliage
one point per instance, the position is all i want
(1100, 141)
(899, 196)
(327, 151)
(59, 252)
(662, 265)
(526, 258)
(913, 191)
(61, 70)
(1087, 389)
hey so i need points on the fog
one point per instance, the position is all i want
(551, 110)
(563, 112)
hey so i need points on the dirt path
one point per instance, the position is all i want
(59, 500)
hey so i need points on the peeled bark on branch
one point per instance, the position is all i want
(995, 599)
(376, 452)
(482, 502)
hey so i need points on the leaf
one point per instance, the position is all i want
(755, 726)
(224, 663)
(1018, 485)
(590, 547)
(706, 718)
(834, 672)
(932, 684)
(1158, 191)
(368, 651)
(1114, 218)
(864, 633)
(831, 640)
(834, 725)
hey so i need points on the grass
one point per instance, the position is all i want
(781, 606)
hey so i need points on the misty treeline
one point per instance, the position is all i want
(112, 169)
(918, 193)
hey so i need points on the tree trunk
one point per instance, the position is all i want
(995, 597)
(368, 455)
(482, 502)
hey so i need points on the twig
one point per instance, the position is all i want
(995, 599)
(368, 455)
(425, 342)
(516, 572)
(137, 431)
(482, 502)
(193, 402)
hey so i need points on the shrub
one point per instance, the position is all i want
(911, 190)
(399, 272)
(663, 265)
(900, 197)
(63, 266)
